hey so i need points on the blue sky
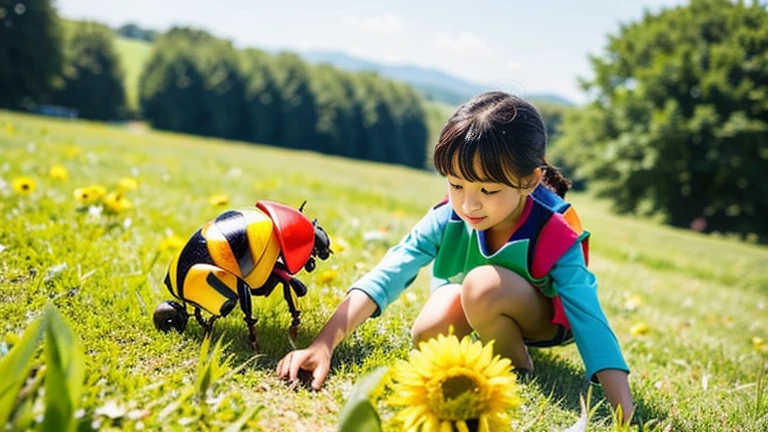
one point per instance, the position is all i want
(522, 46)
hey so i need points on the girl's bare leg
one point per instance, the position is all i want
(442, 310)
(500, 305)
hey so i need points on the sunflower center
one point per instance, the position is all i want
(458, 394)
(455, 386)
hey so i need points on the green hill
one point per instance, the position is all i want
(134, 54)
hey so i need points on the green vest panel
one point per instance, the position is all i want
(460, 252)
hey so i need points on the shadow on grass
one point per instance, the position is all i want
(566, 383)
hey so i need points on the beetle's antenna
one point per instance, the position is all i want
(301, 209)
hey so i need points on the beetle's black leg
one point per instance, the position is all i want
(247, 308)
(266, 289)
(206, 325)
(199, 318)
(295, 313)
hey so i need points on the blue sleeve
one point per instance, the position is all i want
(594, 338)
(400, 266)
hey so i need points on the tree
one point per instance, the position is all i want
(172, 88)
(377, 119)
(30, 51)
(335, 110)
(298, 102)
(262, 116)
(679, 121)
(192, 83)
(92, 75)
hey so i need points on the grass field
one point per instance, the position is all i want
(688, 309)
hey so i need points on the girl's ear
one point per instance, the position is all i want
(535, 180)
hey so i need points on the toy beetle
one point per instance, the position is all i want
(239, 254)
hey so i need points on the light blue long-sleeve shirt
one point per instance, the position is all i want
(575, 284)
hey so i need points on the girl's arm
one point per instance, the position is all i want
(616, 387)
(369, 296)
(355, 309)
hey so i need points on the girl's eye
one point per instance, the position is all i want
(455, 186)
(487, 192)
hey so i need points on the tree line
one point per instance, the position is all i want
(197, 83)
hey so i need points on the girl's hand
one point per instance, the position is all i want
(316, 359)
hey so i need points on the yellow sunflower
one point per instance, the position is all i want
(447, 382)
(171, 242)
(218, 200)
(58, 172)
(90, 194)
(128, 183)
(116, 202)
(23, 185)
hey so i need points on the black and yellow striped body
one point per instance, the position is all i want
(237, 247)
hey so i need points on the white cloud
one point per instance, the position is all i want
(514, 65)
(388, 23)
(465, 43)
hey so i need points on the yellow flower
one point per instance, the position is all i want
(171, 243)
(327, 276)
(72, 152)
(90, 194)
(218, 200)
(338, 244)
(447, 382)
(58, 172)
(758, 343)
(23, 185)
(9, 128)
(116, 202)
(128, 183)
(639, 329)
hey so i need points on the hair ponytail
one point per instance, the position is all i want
(555, 180)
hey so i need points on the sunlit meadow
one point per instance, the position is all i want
(90, 214)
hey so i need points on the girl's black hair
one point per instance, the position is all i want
(508, 136)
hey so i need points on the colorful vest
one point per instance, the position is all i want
(549, 227)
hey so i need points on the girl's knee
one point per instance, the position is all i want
(442, 311)
(487, 288)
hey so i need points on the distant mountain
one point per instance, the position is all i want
(434, 84)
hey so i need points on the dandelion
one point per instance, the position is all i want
(128, 183)
(23, 185)
(339, 244)
(758, 344)
(171, 242)
(72, 152)
(639, 329)
(90, 194)
(58, 172)
(218, 200)
(116, 202)
(9, 128)
(327, 276)
(447, 382)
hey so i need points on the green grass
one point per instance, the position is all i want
(133, 54)
(703, 298)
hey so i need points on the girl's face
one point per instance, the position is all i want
(485, 205)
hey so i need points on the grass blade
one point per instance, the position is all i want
(359, 413)
(14, 368)
(65, 370)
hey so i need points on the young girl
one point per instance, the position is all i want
(509, 255)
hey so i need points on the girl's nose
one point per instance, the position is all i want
(471, 204)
